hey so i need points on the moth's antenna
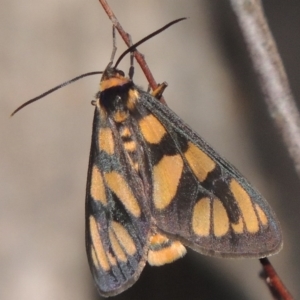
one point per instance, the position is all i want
(131, 49)
(134, 46)
(54, 89)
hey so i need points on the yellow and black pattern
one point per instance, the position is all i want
(154, 186)
(198, 197)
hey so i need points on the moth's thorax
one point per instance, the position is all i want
(116, 102)
(117, 99)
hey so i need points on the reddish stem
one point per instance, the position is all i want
(138, 56)
(274, 282)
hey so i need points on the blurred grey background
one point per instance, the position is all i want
(45, 147)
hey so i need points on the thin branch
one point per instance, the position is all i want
(274, 282)
(278, 96)
(138, 56)
(272, 76)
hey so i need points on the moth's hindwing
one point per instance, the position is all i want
(198, 197)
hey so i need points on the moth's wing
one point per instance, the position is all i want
(117, 227)
(198, 197)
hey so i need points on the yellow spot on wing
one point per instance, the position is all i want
(166, 177)
(201, 217)
(124, 238)
(116, 247)
(97, 186)
(106, 141)
(262, 216)
(245, 205)
(152, 130)
(94, 258)
(125, 132)
(119, 186)
(200, 162)
(239, 226)
(98, 246)
(220, 217)
(120, 116)
(166, 255)
(132, 98)
(158, 239)
(130, 146)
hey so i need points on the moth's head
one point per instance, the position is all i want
(117, 95)
(112, 77)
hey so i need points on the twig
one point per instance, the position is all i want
(138, 56)
(273, 281)
(278, 96)
(272, 76)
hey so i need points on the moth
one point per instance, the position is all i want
(154, 186)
